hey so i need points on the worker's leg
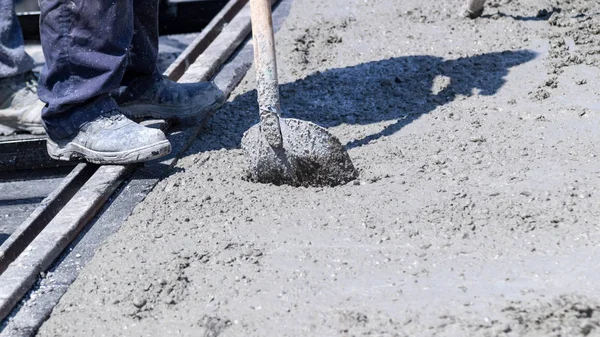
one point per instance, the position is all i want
(19, 105)
(13, 59)
(145, 93)
(86, 45)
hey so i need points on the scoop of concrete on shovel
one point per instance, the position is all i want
(310, 156)
(284, 150)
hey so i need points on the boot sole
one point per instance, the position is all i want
(188, 116)
(71, 151)
(34, 129)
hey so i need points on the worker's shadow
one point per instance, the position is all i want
(3, 237)
(398, 89)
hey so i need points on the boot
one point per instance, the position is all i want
(20, 107)
(165, 99)
(111, 138)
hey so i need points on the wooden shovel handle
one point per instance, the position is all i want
(265, 63)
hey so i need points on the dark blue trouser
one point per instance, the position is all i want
(92, 48)
(13, 59)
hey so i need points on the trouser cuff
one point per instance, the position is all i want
(68, 123)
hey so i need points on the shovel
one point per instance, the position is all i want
(474, 8)
(285, 150)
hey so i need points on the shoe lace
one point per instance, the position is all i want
(111, 118)
(31, 81)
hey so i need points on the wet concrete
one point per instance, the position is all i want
(308, 156)
(474, 214)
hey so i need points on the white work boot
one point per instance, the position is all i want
(111, 139)
(20, 107)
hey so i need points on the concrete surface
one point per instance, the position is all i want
(475, 213)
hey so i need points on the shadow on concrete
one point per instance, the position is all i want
(23, 201)
(3, 237)
(398, 90)
(542, 15)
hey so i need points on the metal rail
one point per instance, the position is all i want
(30, 228)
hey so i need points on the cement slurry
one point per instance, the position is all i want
(475, 212)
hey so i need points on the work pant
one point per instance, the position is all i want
(13, 59)
(93, 48)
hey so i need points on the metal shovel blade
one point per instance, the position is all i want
(310, 156)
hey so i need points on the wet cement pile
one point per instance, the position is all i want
(475, 212)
